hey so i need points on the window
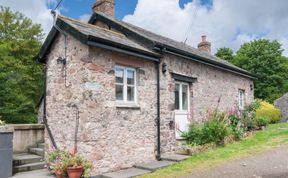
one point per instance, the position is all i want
(241, 96)
(181, 96)
(125, 84)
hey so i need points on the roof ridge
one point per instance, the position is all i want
(90, 25)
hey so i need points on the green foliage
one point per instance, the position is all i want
(249, 115)
(212, 131)
(264, 59)
(268, 111)
(261, 121)
(2, 122)
(60, 160)
(55, 161)
(20, 77)
(236, 126)
(225, 53)
(76, 161)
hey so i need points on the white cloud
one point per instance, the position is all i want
(37, 10)
(85, 17)
(228, 23)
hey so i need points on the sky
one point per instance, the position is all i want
(227, 23)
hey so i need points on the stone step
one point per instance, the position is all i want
(41, 145)
(37, 151)
(174, 157)
(29, 167)
(25, 158)
(127, 173)
(152, 166)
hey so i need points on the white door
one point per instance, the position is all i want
(181, 108)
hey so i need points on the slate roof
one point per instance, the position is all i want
(95, 36)
(130, 40)
(104, 34)
(167, 42)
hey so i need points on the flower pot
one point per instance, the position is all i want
(75, 172)
(59, 174)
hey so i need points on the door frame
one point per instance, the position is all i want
(180, 111)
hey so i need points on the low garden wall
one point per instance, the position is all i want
(26, 136)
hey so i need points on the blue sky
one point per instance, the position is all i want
(76, 8)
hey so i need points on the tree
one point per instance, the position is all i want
(264, 59)
(225, 53)
(21, 79)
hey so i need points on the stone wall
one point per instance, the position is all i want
(26, 136)
(111, 136)
(282, 104)
(211, 86)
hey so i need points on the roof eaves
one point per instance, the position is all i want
(202, 60)
(114, 46)
(132, 33)
(40, 58)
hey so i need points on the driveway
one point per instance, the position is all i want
(269, 164)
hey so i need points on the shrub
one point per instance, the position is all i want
(236, 126)
(249, 115)
(261, 121)
(212, 131)
(269, 111)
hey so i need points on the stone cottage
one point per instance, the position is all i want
(282, 104)
(130, 91)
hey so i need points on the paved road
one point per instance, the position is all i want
(269, 164)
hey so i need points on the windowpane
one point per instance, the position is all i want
(184, 97)
(130, 77)
(177, 102)
(119, 92)
(130, 93)
(119, 75)
(241, 99)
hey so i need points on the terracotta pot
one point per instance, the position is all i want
(59, 174)
(75, 172)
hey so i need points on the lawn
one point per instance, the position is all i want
(273, 136)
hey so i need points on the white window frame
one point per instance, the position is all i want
(241, 99)
(125, 85)
(180, 96)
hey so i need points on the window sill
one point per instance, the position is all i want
(127, 105)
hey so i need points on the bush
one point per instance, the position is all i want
(249, 115)
(261, 121)
(213, 131)
(236, 126)
(269, 111)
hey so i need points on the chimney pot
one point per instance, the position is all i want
(105, 6)
(204, 45)
(204, 38)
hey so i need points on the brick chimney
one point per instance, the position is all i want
(204, 45)
(105, 6)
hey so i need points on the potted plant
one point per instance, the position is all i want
(77, 166)
(55, 162)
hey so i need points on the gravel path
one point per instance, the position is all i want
(269, 164)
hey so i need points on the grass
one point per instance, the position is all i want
(273, 136)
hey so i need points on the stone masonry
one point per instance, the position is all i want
(282, 104)
(112, 137)
(116, 137)
(212, 85)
